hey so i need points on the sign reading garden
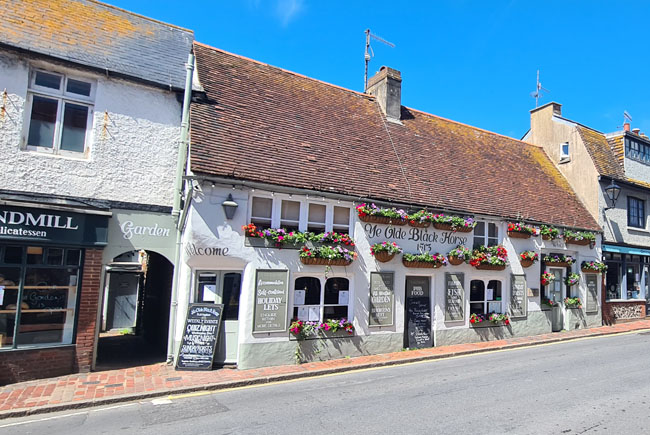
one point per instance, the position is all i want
(382, 298)
(271, 294)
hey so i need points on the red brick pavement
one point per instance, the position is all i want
(97, 388)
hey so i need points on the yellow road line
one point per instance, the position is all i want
(367, 369)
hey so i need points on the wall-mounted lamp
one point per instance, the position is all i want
(612, 191)
(229, 207)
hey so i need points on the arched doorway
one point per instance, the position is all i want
(135, 315)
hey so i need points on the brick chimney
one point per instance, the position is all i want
(626, 126)
(386, 87)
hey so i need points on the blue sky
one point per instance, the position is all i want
(470, 61)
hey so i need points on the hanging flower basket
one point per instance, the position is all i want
(383, 256)
(486, 266)
(421, 264)
(546, 237)
(455, 261)
(518, 235)
(417, 224)
(325, 261)
(382, 220)
(526, 263)
(572, 241)
(450, 227)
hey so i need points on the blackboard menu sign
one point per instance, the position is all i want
(455, 297)
(382, 298)
(199, 337)
(418, 313)
(271, 294)
(518, 296)
(592, 292)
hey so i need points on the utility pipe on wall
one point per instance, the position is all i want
(178, 193)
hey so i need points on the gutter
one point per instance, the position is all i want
(179, 214)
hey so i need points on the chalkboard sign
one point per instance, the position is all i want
(382, 298)
(199, 337)
(271, 294)
(592, 292)
(455, 297)
(46, 299)
(418, 313)
(518, 296)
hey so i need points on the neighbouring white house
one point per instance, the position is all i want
(90, 125)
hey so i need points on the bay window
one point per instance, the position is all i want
(317, 299)
(60, 113)
(485, 297)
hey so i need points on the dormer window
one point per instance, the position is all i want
(637, 150)
(564, 152)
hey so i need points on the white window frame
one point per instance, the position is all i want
(276, 209)
(486, 280)
(322, 305)
(220, 273)
(565, 157)
(485, 236)
(62, 97)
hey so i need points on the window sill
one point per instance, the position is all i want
(638, 300)
(24, 348)
(638, 230)
(66, 156)
(487, 324)
(324, 336)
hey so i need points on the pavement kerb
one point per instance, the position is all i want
(81, 404)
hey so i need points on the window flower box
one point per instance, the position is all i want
(453, 223)
(459, 255)
(528, 258)
(327, 256)
(593, 267)
(281, 238)
(331, 328)
(419, 219)
(489, 258)
(385, 251)
(549, 232)
(426, 260)
(572, 302)
(559, 260)
(488, 320)
(581, 238)
(520, 231)
(373, 214)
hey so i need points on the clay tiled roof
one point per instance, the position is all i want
(261, 123)
(602, 154)
(98, 35)
(616, 144)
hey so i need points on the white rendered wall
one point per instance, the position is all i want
(133, 145)
(208, 228)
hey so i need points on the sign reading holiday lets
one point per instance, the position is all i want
(271, 294)
(199, 337)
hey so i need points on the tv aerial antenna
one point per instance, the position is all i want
(539, 91)
(370, 53)
(626, 117)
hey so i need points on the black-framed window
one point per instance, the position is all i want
(220, 287)
(39, 288)
(635, 212)
(317, 299)
(485, 297)
(637, 150)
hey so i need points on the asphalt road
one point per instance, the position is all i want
(599, 385)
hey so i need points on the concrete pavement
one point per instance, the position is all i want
(101, 388)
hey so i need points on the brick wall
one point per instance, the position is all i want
(25, 365)
(623, 311)
(88, 306)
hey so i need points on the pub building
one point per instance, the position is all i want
(50, 262)
(279, 162)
